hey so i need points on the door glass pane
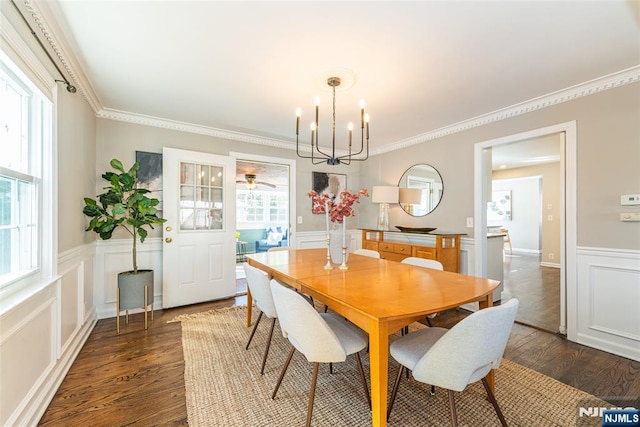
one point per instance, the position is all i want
(186, 173)
(201, 197)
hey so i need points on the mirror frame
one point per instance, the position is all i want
(404, 176)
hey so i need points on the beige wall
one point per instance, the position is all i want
(121, 140)
(608, 165)
(76, 167)
(550, 173)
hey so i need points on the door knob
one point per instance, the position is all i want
(168, 240)
(168, 228)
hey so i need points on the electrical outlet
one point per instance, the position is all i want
(549, 217)
(299, 220)
(470, 222)
(551, 256)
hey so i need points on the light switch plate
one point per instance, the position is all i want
(630, 199)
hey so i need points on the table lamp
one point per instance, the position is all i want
(410, 197)
(384, 194)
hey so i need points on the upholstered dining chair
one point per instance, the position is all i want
(258, 283)
(367, 252)
(453, 358)
(320, 337)
(423, 262)
(426, 263)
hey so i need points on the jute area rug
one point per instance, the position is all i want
(224, 386)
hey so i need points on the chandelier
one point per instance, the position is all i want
(317, 154)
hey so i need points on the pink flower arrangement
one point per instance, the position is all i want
(337, 211)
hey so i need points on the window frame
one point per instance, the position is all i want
(41, 172)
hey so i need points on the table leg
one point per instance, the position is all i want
(249, 307)
(491, 376)
(379, 357)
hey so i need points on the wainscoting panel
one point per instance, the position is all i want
(608, 297)
(113, 257)
(42, 334)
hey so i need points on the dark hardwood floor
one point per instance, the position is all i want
(537, 288)
(136, 378)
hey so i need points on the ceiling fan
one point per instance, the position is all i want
(251, 183)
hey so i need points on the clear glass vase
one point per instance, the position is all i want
(336, 243)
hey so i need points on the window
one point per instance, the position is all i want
(25, 117)
(255, 209)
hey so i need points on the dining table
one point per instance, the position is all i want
(379, 296)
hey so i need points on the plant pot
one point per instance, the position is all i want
(135, 290)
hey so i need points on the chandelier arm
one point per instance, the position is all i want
(298, 151)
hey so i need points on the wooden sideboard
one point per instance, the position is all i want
(446, 249)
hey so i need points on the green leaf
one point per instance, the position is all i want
(127, 181)
(117, 164)
(90, 201)
(118, 209)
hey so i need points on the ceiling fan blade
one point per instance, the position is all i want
(268, 184)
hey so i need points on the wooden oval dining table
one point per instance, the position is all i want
(378, 295)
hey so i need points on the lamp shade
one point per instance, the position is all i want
(384, 194)
(411, 196)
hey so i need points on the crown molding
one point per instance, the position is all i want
(617, 79)
(45, 19)
(142, 119)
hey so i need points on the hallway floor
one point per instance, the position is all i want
(537, 288)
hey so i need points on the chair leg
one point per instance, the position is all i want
(266, 350)
(429, 322)
(432, 391)
(394, 391)
(364, 380)
(253, 331)
(312, 393)
(494, 402)
(284, 370)
(452, 408)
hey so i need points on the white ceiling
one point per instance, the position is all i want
(420, 65)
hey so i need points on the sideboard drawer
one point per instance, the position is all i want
(370, 245)
(401, 248)
(424, 252)
(385, 247)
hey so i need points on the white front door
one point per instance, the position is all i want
(198, 252)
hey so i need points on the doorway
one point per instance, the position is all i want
(265, 204)
(567, 249)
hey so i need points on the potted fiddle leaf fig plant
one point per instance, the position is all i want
(125, 205)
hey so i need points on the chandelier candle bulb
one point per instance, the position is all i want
(366, 120)
(350, 132)
(361, 113)
(313, 132)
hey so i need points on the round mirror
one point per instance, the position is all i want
(420, 190)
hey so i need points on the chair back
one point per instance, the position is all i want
(279, 248)
(367, 252)
(423, 262)
(303, 326)
(469, 350)
(258, 283)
